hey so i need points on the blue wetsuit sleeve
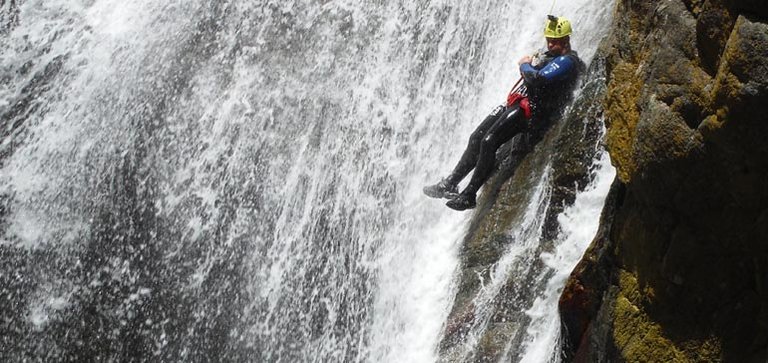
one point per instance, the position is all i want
(556, 70)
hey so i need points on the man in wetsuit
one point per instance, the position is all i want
(547, 88)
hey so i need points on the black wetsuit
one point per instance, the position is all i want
(549, 87)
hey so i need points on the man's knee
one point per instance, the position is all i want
(488, 143)
(498, 110)
(476, 137)
(512, 112)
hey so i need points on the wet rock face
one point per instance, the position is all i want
(687, 262)
(486, 320)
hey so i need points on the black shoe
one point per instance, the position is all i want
(462, 202)
(443, 189)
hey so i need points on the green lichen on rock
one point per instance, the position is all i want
(622, 118)
(688, 247)
(637, 336)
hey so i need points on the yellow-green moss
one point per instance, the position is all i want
(641, 339)
(622, 117)
(637, 336)
(727, 86)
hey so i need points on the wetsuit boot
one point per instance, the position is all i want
(463, 201)
(443, 189)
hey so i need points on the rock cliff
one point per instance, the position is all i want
(679, 269)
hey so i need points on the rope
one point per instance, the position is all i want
(553, 7)
(517, 86)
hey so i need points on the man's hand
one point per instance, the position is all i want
(523, 60)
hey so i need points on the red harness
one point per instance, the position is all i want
(522, 100)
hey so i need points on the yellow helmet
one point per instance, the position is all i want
(557, 27)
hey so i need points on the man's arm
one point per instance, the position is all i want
(556, 70)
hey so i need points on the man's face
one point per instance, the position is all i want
(556, 46)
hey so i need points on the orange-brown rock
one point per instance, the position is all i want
(681, 273)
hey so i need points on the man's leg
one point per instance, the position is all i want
(509, 124)
(448, 186)
(472, 152)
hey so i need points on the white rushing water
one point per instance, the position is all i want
(578, 227)
(242, 180)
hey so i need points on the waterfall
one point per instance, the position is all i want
(241, 181)
(578, 228)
